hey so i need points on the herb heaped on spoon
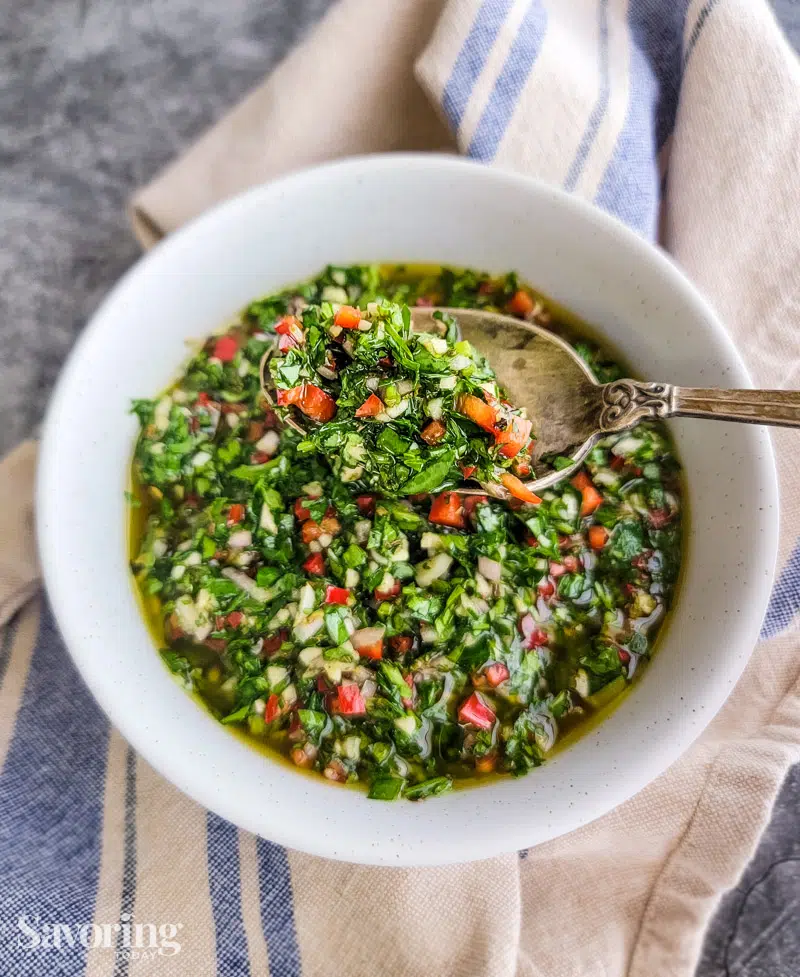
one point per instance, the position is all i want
(397, 412)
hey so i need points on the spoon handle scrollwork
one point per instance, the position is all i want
(626, 402)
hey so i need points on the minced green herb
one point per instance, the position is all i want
(334, 595)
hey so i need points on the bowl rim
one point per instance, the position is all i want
(355, 850)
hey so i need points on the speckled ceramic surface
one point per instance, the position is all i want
(432, 209)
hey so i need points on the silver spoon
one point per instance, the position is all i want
(571, 411)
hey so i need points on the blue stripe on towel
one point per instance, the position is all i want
(785, 600)
(630, 185)
(277, 910)
(657, 29)
(472, 59)
(129, 853)
(225, 885)
(697, 30)
(503, 100)
(51, 813)
(600, 106)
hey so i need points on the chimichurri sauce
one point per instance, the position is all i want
(335, 597)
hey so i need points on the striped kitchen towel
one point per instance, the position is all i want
(682, 117)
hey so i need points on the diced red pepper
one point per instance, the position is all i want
(225, 348)
(300, 511)
(235, 514)
(547, 588)
(433, 433)
(474, 710)
(330, 524)
(623, 655)
(468, 470)
(515, 437)
(592, 499)
(538, 638)
(217, 645)
(447, 510)
(203, 400)
(336, 595)
(393, 591)
(259, 458)
(401, 644)
(311, 399)
(311, 530)
(534, 636)
(581, 480)
(617, 462)
(496, 674)
(471, 503)
(272, 709)
(371, 407)
(373, 651)
(520, 304)
(272, 644)
(290, 397)
(295, 728)
(349, 701)
(172, 630)
(518, 489)
(366, 504)
(347, 317)
(369, 649)
(478, 411)
(315, 564)
(598, 537)
(235, 618)
(316, 404)
(291, 327)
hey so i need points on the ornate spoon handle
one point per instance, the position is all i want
(625, 402)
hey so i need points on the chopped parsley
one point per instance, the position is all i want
(336, 596)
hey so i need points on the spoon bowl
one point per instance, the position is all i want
(571, 411)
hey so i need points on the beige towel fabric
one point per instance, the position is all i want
(632, 892)
(349, 89)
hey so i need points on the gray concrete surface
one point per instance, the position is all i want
(95, 96)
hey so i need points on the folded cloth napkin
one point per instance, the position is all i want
(683, 116)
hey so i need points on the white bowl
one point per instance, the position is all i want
(402, 208)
